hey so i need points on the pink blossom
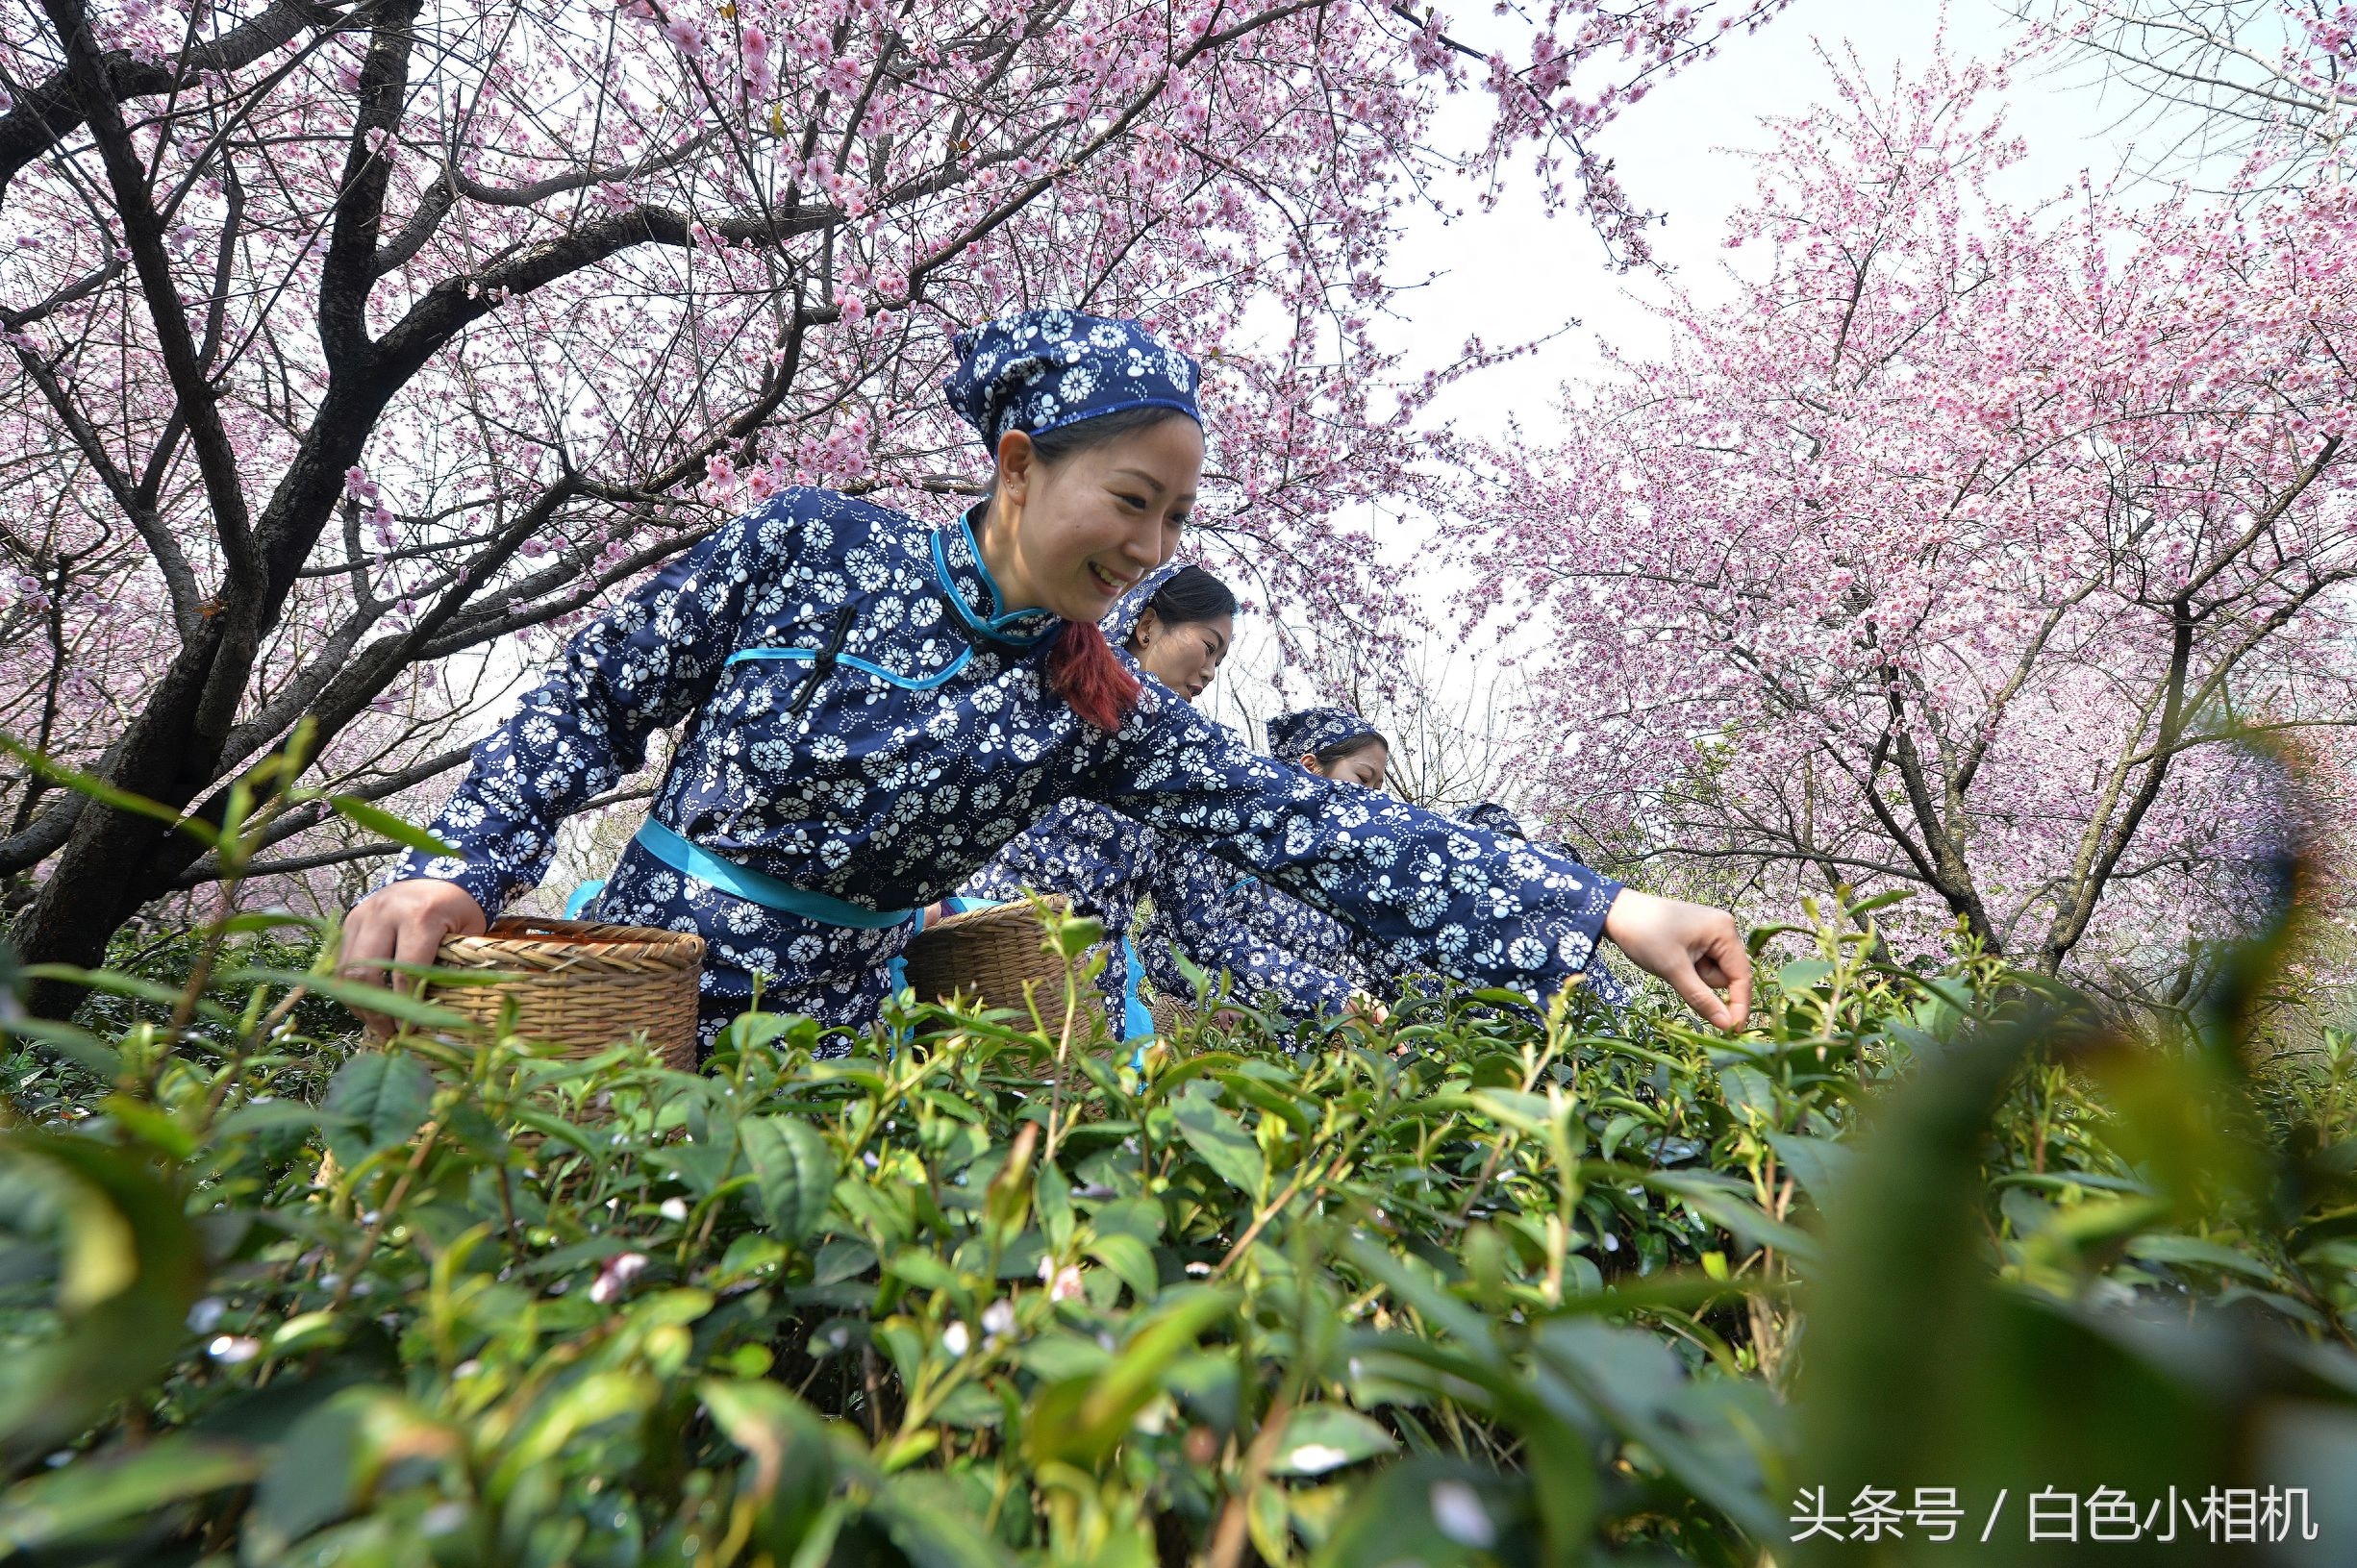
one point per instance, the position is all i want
(616, 1276)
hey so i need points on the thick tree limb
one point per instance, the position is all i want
(51, 110)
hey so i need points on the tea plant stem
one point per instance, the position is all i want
(240, 834)
(507, 1202)
(1336, 1170)
(875, 1395)
(1230, 1536)
(1063, 1052)
(1252, 1231)
(1506, 1138)
(385, 1216)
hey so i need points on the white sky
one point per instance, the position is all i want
(1514, 273)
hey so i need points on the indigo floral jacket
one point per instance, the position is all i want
(868, 721)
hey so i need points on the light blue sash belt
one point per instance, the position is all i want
(771, 893)
(759, 888)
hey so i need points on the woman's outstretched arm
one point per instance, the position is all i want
(1441, 894)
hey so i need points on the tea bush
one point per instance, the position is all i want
(1473, 1287)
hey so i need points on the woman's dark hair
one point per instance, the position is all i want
(1342, 750)
(1191, 595)
(1081, 668)
(1083, 434)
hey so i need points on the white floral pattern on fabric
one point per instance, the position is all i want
(1291, 955)
(1123, 618)
(1110, 867)
(886, 777)
(1313, 730)
(1046, 368)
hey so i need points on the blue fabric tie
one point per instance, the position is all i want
(583, 896)
(1137, 1019)
(759, 888)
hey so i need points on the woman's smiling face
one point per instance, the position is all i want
(1071, 535)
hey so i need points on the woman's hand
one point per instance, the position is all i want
(1696, 949)
(404, 923)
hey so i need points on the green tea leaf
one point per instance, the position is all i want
(106, 794)
(922, 1269)
(45, 1512)
(1523, 1112)
(1802, 974)
(794, 1169)
(117, 983)
(358, 996)
(840, 1259)
(1439, 1512)
(1882, 901)
(77, 1045)
(1052, 1199)
(1223, 1144)
(276, 1115)
(928, 1521)
(794, 1463)
(1082, 1420)
(1322, 1437)
(1060, 1356)
(328, 1460)
(384, 1097)
(133, 1263)
(384, 824)
(1818, 1164)
(2194, 1252)
(1129, 1259)
(597, 1397)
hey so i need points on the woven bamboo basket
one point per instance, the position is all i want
(581, 983)
(1170, 1014)
(993, 953)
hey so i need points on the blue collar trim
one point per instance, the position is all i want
(996, 628)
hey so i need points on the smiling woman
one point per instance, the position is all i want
(875, 705)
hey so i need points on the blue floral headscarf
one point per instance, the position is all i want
(1123, 618)
(1314, 729)
(1496, 818)
(1044, 369)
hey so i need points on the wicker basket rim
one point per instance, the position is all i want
(588, 942)
(994, 914)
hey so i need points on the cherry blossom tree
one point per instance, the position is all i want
(353, 337)
(1956, 550)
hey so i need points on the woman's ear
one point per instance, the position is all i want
(1308, 759)
(1143, 635)
(1018, 462)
